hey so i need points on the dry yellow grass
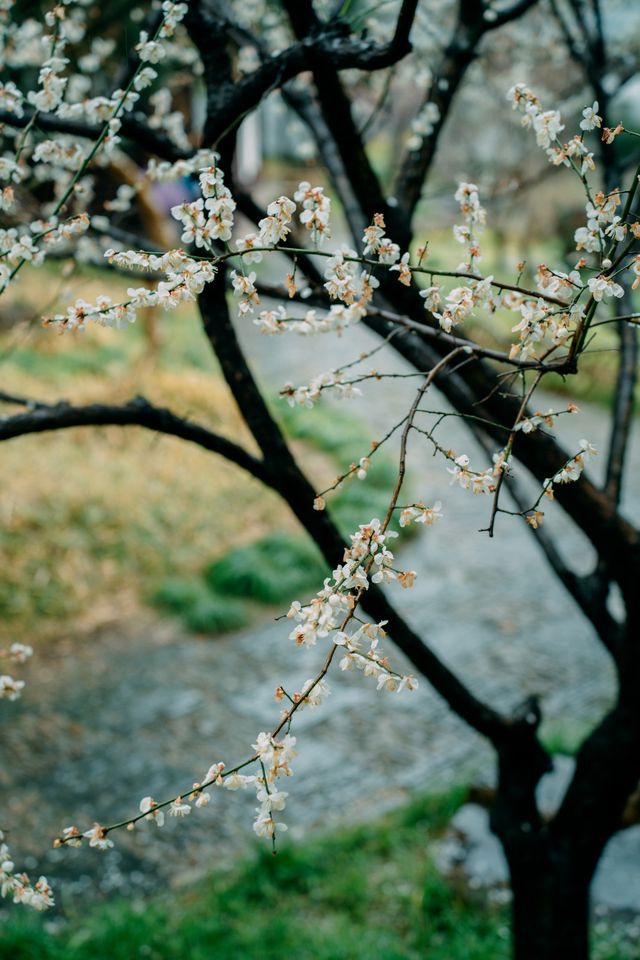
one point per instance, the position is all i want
(90, 519)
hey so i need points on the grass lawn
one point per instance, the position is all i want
(370, 892)
(363, 893)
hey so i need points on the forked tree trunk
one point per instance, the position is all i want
(550, 865)
(552, 860)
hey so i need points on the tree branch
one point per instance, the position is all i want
(623, 403)
(138, 412)
(132, 127)
(336, 111)
(469, 30)
(287, 479)
(229, 102)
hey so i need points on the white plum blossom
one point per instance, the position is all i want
(11, 98)
(149, 806)
(376, 243)
(591, 120)
(602, 287)
(53, 86)
(178, 808)
(572, 469)
(244, 286)
(20, 652)
(316, 209)
(403, 270)
(10, 689)
(423, 125)
(431, 297)
(98, 838)
(149, 51)
(477, 482)
(245, 246)
(419, 513)
(547, 125)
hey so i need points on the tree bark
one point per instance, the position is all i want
(550, 908)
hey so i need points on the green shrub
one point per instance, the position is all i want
(272, 570)
(202, 610)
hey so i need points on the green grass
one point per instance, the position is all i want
(273, 570)
(369, 892)
(358, 894)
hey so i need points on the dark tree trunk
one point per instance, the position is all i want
(550, 873)
(552, 860)
(550, 911)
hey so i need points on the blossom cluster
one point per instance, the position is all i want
(63, 93)
(307, 395)
(604, 227)
(347, 282)
(185, 279)
(423, 125)
(163, 171)
(419, 513)
(316, 208)
(572, 469)
(329, 612)
(211, 216)
(460, 302)
(474, 221)
(546, 124)
(477, 481)
(529, 424)
(37, 895)
(10, 688)
(603, 223)
(377, 244)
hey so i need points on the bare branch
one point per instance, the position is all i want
(623, 403)
(229, 102)
(471, 26)
(132, 127)
(138, 412)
